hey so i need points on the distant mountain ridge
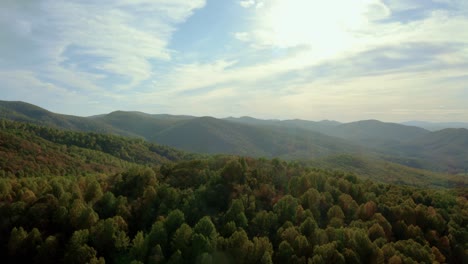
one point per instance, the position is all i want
(443, 151)
(25, 112)
(31, 150)
(213, 136)
(434, 126)
(448, 146)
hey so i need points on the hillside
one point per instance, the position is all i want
(141, 124)
(374, 133)
(381, 170)
(365, 132)
(24, 112)
(323, 126)
(435, 126)
(27, 149)
(289, 139)
(244, 136)
(210, 135)
(444, 150)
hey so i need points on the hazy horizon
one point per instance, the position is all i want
(389, 60)
(251, 116)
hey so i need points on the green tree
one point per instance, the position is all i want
(82, 216)
(236, 214)
(327, 253)
(78, 251)
(109, 237)
(261, 246)
(16, 242)
(239, 246)
(376, 231)
(157, 236)
(107, 206)
(206, 228)
(48, 252)
(174, 220)
(93, 192)
(311, 200)
(285, 208)
(181, 239)
(264, 223)
(285, 252)
(139, 248)
(233, 173)
(308, 227)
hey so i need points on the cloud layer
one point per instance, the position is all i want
(392, 60)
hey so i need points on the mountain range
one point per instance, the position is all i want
(436, 126)
(443, 151)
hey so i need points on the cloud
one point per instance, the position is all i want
(242, 36)
(335, 34)
(396, 96)
(288, 23)
(341, 26)
(247, 3)
(290, 58)
(121, 36)
(380, 71)
(29, 88)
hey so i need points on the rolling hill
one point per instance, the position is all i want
(197, 134)
(28, 149)
(211, 135)
(442, 151)
(434, 126)
(25, 112)
(376, 132)
(381, 170)
(32, 150)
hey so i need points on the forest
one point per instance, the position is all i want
(94, 198)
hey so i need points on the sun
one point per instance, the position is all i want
(328, 27)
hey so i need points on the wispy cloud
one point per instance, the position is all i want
(247, 3)
(121, 37)
(337, 59)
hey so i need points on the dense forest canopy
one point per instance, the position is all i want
(150, 204)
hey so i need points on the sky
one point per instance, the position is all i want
(391, 60)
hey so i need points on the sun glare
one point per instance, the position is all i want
(328, 27)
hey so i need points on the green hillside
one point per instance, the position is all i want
(320, 126)
(211, 135)
(376, 133)
(202, 135)
(435, 126)
(381, 170)
(246, 136)
(27, 149)
(141, 124)
(442, 151)
(24, 112)
(445, 150)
